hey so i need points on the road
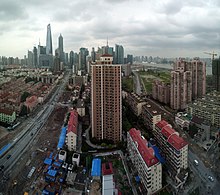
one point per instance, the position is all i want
(137, 83)
(203, 172)
(21, 143)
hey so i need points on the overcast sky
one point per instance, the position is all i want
(166, 28)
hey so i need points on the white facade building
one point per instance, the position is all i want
(71, 135)
(147, 165)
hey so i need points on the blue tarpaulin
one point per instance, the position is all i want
(157, 153)
(48, 161)
(57, 164)
(3, 149)
(62, 138)
(96, 167)
(52, 173)
(137, 179)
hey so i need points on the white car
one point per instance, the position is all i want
(210, 178)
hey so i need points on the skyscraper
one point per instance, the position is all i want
(60, 47)
(82, 59)
(93, 55)
(119, 54)
(35, 57)
(49, 49)
(216, 74)
(106, 99)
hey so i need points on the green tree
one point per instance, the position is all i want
(24, 96)
(24, 110)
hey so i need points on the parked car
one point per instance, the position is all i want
(210, 178)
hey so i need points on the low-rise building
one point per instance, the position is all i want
(31, 102)
(71, 135)
(76, 159)
(182, 120)
(80, 107)
(135, 102)
(206, 108)
(145, 162)
(175, 150)
(7, 116)
(151, 115)
(62, 155)
(203, 133)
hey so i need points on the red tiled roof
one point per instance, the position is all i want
(161, 124)
(177, 142)
(146, 153)
(73, 122)
(31, 99)
(6, 111)
(167, 131)
(107, 168)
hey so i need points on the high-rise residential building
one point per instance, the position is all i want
(188, 82)
(49, 48)
(119, 54)
(216, 74)
(106, 98)
(82, 59)
(144, 159)
(198, 69)
(161, 91)
(180, 89)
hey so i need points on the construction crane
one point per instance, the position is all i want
(213, 54)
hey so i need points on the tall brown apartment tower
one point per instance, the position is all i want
(188, 82)
(106, 99)
(198, 69)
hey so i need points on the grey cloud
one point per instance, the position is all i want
(10, 10)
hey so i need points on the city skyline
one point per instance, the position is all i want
(166, 29)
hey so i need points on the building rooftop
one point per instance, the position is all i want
(107, 168)
(152, 108)
(162, 124)
(6, 111)
(176, 141)
(73, 122)
(108, 185)
(80, 103)
(197, 120)
(167, 131)
(146, 153)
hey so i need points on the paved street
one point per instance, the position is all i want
(137, 83)
(22, 142)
